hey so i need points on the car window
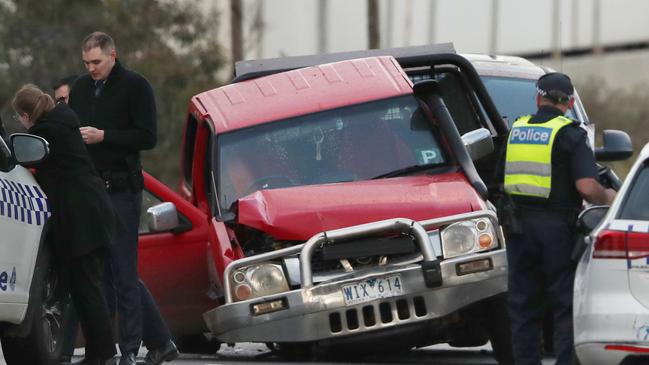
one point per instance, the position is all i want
(467, 114)
(636, 203)
(357, 142)
(514, 97)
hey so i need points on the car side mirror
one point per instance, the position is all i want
(162, 217)
(29, 149)
(591, 217)
(616, 147)
(478, 143)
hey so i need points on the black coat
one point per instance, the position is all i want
(125, 110)
(82, 215)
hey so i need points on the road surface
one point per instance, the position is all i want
(259, 354)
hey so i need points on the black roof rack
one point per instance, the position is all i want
(250, 69)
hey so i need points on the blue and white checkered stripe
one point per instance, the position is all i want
(24, 203)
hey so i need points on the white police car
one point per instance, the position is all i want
(611, 302)
(32, 305)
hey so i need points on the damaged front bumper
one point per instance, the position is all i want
(429, 289)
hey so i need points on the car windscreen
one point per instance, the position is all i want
(514, 97)
(356, 142)
(636, 204)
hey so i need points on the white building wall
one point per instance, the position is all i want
(519, 26)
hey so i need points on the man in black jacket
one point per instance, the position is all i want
(117, 110)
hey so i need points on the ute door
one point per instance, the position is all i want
(173, 263)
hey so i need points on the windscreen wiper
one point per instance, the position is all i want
(408, 170)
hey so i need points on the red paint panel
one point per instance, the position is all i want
(174, 265)
(323, 87)
(297, 213)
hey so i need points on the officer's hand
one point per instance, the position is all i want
(91, 135)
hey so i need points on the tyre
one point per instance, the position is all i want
(48, 311)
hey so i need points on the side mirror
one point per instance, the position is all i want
(162, 217)
(617, 146)
(591, 217)
(29, 149)
(478, 143)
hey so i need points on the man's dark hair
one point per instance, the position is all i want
(68, 80)
(98, 39)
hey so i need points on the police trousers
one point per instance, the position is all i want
(541, 274)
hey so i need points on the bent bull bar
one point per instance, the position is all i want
(310, 307)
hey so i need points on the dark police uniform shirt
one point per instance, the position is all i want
(572, 159)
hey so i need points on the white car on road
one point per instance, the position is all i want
(32, 306)
(611, 302)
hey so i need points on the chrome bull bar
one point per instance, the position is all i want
(394, 225)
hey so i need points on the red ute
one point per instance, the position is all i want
(324, 203)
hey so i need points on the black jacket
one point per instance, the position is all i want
(82, 215)
(125, 109)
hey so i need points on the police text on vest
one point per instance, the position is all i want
(530, 135)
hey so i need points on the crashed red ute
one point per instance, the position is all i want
(334, 203)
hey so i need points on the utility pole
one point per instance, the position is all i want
(322, 26)
(373, 24)
(258, 29)
(495, 18)
(236, 24)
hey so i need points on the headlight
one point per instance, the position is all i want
(468, 237)
(257, 281)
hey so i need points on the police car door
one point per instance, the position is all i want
(23, 212)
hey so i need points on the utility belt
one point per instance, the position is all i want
(565, 214)
(122, 180)
(510, 213)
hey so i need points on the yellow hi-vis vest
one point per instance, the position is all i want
(528, 164)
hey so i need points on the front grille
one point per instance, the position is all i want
(383, 312)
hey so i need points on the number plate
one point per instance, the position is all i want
(370, 289)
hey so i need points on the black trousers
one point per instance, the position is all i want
(138, 316)
(139, 319)
(85, 282)
(541, 273)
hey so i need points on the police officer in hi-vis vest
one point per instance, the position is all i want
(549, 169)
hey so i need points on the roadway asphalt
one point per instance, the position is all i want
(259, 354)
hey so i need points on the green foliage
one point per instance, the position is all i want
(171, 42)
(621, 109)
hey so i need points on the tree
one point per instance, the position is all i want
(170, 42)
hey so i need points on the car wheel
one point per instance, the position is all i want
(49, 309)
(498, 328)
(202, 343)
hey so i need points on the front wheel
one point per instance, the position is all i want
(49, 308)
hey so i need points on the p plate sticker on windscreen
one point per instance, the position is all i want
(430, 156)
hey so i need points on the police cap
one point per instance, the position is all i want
(555, 86)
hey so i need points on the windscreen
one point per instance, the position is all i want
(514, 97)
(357, 142)
(636, 203)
